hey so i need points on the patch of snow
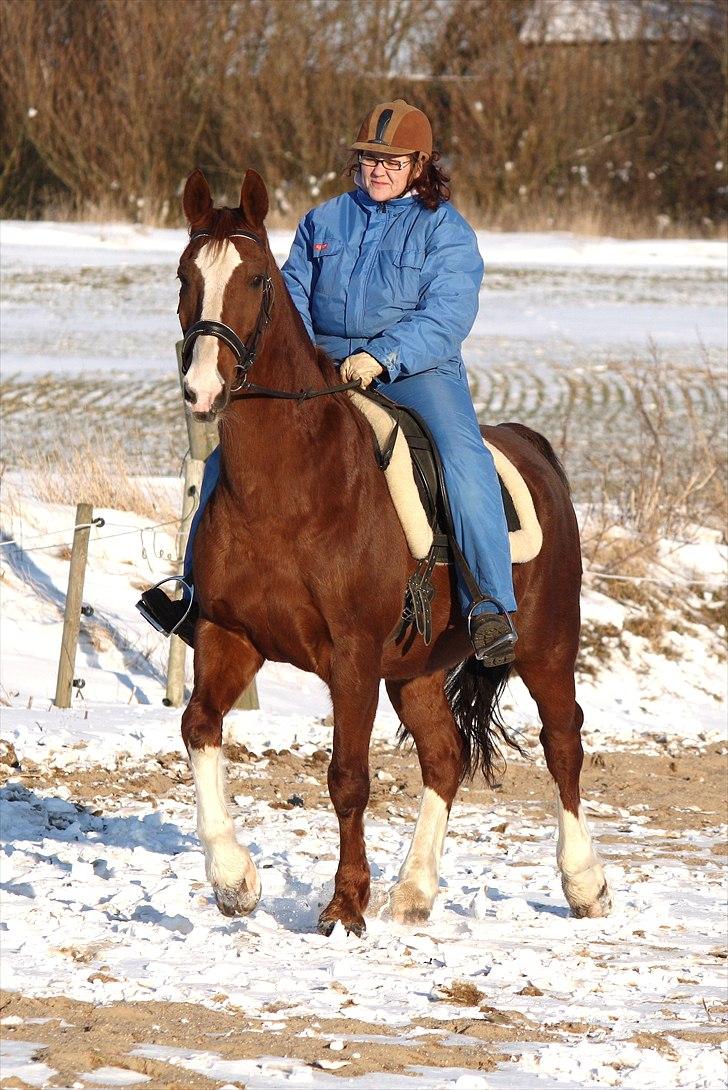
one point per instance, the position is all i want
(16, 1062)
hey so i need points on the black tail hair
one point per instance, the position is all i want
(473, 692)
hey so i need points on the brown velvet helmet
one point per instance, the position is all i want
(395, 128)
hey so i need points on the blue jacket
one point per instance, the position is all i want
(392, 279)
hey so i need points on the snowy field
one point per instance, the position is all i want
(117, 969)
(105, 297)
(88, 323)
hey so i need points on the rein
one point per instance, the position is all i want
(249, 389)
(245, 354)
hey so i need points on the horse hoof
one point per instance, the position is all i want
(408, 904)
(236, 902)
(591, 909)
(353, 927)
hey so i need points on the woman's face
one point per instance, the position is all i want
(382, 180)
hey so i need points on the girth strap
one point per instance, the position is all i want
(384, 456)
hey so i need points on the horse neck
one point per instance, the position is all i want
(287, 359)
(264, 440)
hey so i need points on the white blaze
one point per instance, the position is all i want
(203, 377)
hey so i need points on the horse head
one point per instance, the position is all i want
(225, 294)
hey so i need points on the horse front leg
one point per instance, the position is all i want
(354, 693)
(423, 709)
(582, 874)
(225, 664)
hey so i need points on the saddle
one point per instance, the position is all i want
(430, 481)
(433, 540)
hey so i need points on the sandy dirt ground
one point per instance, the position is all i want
(76, 1038)
(687, 791)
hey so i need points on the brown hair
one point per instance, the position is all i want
(432, 187)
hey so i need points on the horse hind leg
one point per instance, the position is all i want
(423, 710)
(582, 874)
(225, 664)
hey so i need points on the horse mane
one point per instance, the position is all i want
(327, 367)
(223, 223)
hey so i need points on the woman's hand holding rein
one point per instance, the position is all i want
(360, 366)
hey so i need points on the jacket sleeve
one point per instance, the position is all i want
(433, 332)
(298, 272)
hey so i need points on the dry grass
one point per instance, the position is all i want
(582, 216)
(658, 604)
(645, 493)
(645, 501)
(462, 992)
(588, 215)
(86, 474)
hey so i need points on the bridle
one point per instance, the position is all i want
(244, 353)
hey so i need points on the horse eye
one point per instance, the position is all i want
(256, 281)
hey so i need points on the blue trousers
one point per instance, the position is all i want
(443, 401)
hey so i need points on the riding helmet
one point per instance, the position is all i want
(395, 128)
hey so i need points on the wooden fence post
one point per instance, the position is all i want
(74, 601)
(203, 439)
(175, 693)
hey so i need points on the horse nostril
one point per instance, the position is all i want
(189, 395)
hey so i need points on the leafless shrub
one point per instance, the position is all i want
(648, 500)
(110, 104)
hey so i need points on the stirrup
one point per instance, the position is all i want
(155, 607)
(499, 651)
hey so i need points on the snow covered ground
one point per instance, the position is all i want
(116, 966)
(105, 900)
(107, 298)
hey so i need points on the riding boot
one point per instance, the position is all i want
(170, 616)
(493, 637)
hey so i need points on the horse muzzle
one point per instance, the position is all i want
(206, 404)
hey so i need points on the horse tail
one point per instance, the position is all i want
(473, 692)
(542, 445)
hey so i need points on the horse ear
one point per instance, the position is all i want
(196, 200)
(254, 199)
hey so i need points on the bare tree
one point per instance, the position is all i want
(110, 103)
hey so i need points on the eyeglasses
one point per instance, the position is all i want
(367, 160)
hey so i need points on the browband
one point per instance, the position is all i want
(233, 234)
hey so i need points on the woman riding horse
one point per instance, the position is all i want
(386, 279)
(300, 556)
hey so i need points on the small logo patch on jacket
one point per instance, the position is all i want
(320, 246)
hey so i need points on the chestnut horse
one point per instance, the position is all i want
(300, 558)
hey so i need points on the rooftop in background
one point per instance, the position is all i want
(584, 21)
